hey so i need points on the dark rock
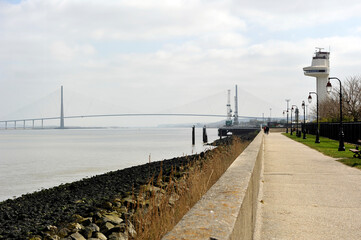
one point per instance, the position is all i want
(107, 205)
(51, 237)
(121, 227)
(87, 221)
(100, 236)
(114, 229)
(64, 232)
(87, 232)
(131, 230)
(75, 227)
(98, 215)
(118, 236)
(77, 236)
(123, 209)
(94, 227)
(112, 218)
(106, 227)
(32, 238)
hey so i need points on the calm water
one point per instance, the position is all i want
(34, 159)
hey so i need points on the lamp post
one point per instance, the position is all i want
(291, 119)
(341, 145)
(287, 100)
(297, 118)
(284, 113)
(270, 114)
(318, 127)
(304, 119)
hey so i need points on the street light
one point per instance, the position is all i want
(341, 145)
(291, 118)
(270, 113)
(284, 113)
(304, 120)
(287, 100)
(296, 118)
(318, 127)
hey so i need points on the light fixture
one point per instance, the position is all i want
(328, 87)
(309, 98)
(303, 104)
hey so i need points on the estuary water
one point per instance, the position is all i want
(31, 160)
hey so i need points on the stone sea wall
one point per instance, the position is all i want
(228, 209)
(99, 207)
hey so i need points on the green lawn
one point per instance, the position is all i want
(329, 147)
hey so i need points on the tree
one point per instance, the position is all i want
(329, 109)
(352, 97)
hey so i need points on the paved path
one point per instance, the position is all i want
(307, 195)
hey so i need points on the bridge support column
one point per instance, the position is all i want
(42, 123)
(24, 124)
(193, 136)
(61, 110)
(6, 125)
(14, 124)
(33, 123)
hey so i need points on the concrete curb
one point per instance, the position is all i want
(228, 209)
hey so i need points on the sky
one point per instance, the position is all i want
(152, 56)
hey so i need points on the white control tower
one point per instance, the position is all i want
(320, 69)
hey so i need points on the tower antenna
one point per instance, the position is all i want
(235, 121)
(229, 110)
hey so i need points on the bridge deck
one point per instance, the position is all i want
(307, 195)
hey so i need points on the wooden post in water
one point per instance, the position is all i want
(193, 136)
(205, 137)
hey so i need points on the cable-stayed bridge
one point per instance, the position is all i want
(33, 122)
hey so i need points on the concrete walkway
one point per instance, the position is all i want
(307, 195)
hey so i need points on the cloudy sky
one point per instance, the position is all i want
(151, 56)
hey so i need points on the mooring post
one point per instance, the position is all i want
(193, 136)
(205, 137)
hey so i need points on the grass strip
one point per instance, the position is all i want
(329, 147)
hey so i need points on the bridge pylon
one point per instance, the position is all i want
(62, 110)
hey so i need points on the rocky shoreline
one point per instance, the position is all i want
(99, 207)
